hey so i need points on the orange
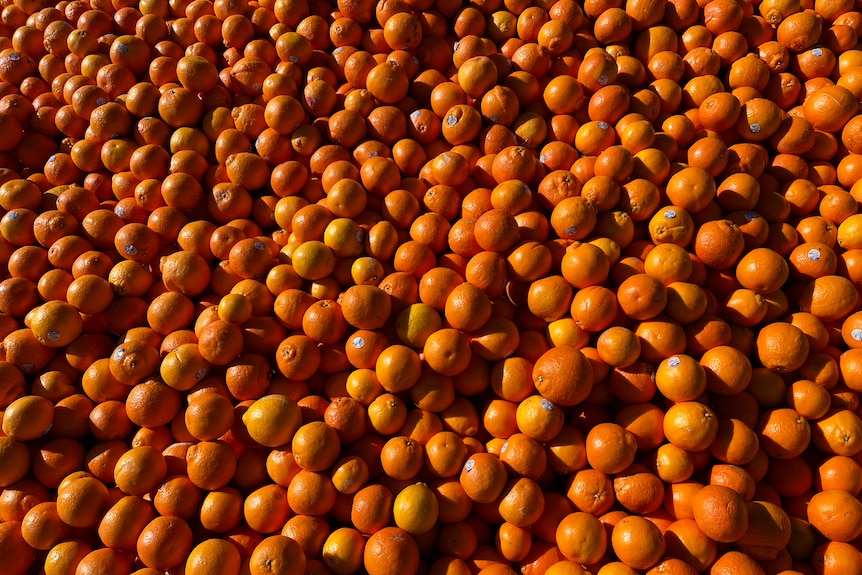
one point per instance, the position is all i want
(735, 443)
(691, 188)
(581, 538)
(642, 296)
(164, 542)
(401, 458)
(639, 490)
(483, 477)
(584, 265)
(838, 472)
(719, 244)
(673, 464)
(681, 378)
(398, 368)
(765, 517)
(310, 532)
(838, 432)
(20, 498)
(690, 425)
(82, 501)
(637, 542)
(660, 338)
(687, 542)
(735, 562)
(178, 496)
(573, 218)
(277, 554)
(524, 456)
(782, 347)
(27, 418)
(669, 263)
(618, 346)
(65, 555)
(124, 521)
(762, 270)
(549, 298)
(447, 351)
(539, 418)
(467, 307)
(522, 502)
(824, 516)
(390, 551)
(834, 556)
(266, 508)
(372, 508)
(415, 509)
(260, 416)
(728, 371)
(211, 555)
(315, 446)
(140, 470)
(783, 433)
(720, 512)
(41, 526)
(610, 448)
(563, 375)
(105, 559)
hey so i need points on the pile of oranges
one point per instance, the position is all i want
(428, 286)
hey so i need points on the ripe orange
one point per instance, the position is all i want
(581, 538)
(390, 551)
(637, 542)
(277, 554)
(563, 375)
(214, 554)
